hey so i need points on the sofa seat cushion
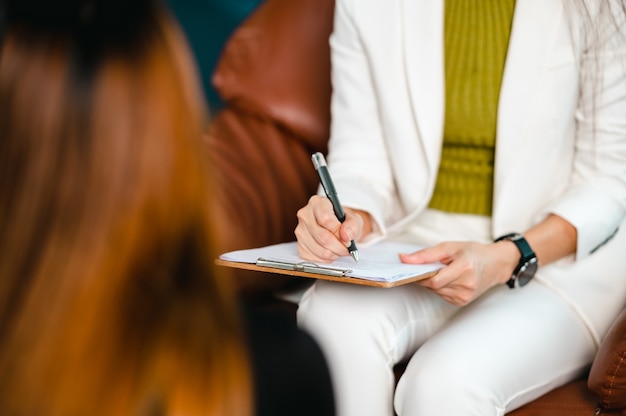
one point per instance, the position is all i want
(572, 399)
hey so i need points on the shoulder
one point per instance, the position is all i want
(364, 8)
(371, 15)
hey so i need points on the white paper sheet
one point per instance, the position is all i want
(377, 262)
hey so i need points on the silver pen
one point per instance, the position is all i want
(329, 188)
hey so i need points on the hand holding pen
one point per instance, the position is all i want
(329, 188)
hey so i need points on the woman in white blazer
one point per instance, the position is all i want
(559, 183)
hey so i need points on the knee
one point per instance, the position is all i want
(346, 314)
(320, 309)
(444, 385)
(336, 305)
(429, 379)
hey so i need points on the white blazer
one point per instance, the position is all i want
(387, 132)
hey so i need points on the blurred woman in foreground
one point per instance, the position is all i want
(108, 301)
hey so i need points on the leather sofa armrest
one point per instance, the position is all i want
(607, 377)
(274, 78)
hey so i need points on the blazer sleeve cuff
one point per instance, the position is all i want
(596, 217)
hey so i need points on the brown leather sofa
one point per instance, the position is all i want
(274, 76)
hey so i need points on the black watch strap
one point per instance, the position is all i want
(527, 266)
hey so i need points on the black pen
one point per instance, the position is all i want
(327, 183)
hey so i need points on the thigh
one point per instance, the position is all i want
(396, 319)
(363, 331)
(498, 353)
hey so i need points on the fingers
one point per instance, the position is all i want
(454, 283)
(455, 296)
(442, 253)
(351, 228)
(318, 231)
(462, 280)
(457, 274)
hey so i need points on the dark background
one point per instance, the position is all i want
(208, 24)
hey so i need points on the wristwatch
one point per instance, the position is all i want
(527, 266)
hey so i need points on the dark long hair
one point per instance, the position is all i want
(109, 302)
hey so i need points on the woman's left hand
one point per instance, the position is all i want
(470, 268)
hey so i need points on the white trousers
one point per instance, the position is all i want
(490, 357)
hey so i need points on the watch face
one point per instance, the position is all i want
(527, 272)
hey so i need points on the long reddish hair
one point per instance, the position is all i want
(109, 303)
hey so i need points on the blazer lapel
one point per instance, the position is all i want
(422, 22)
(535, 24)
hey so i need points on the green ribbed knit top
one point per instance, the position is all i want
(476, 39)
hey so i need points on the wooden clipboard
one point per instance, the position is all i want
(313, 275)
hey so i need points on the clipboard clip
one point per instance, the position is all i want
(306, 267)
